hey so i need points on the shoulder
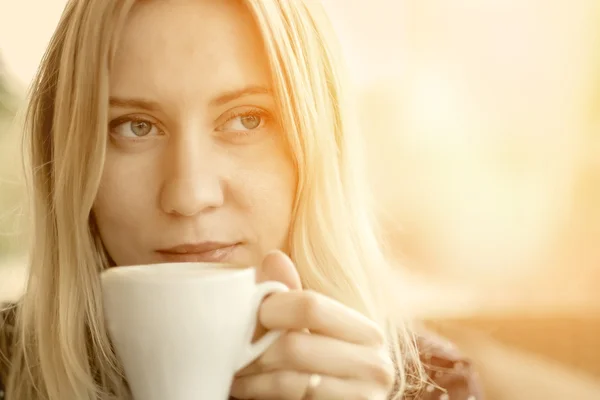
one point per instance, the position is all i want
(451, 374)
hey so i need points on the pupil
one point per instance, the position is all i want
(140, 128)
(251, 121)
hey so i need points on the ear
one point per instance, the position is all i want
(277, 266)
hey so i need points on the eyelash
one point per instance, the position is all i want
(252, 112)
(122, 120)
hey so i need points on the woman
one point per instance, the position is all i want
(213, 131)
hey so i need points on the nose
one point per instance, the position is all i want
(192, 183)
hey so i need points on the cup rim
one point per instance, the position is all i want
(159, 272)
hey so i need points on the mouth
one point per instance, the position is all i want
(199, 252)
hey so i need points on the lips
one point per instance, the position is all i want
(199, 252)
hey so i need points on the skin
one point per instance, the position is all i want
(189, 162)
(199, 174)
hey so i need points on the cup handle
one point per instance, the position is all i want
(251, 350)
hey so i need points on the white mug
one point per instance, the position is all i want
(182, 330)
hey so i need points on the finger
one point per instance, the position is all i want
(310, 353)
(290, 385)
(277, 266)
(298, 310)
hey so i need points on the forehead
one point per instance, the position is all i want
(191, 45)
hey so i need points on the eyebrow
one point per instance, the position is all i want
(220, 100)
(134, 103)
(229, 96)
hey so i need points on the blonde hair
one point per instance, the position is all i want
(63, 351)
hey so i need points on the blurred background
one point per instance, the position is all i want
(481, 124)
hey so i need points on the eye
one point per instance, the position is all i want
(245, 121)
(133, 128)
(250, 121)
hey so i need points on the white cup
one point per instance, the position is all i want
(182, 330)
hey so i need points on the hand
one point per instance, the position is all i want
(322, 337)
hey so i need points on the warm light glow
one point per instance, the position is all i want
(480, 124)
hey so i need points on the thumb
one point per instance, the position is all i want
(277, 266)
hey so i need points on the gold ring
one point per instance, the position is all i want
(313, 382)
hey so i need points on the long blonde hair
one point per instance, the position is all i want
(62, 349)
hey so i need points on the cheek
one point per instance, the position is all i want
(126, 196)
(264, 190)
(267, 190)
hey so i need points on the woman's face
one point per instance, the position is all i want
(196, 166)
